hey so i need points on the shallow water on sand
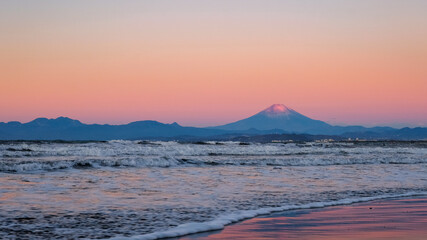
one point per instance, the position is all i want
(125, 188)
(381, 219)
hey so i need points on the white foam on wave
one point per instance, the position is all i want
(118, 153)
(51, 163)
(121, 148)
(220, 222)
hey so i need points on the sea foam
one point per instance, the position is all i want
(27, 157)
(222, 221)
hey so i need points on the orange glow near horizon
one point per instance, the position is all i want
(208, 64)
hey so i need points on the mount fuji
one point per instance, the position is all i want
(279, 116)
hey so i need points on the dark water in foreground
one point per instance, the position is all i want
(125, 189)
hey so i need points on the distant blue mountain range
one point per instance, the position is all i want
(64, 128)
(277, 119)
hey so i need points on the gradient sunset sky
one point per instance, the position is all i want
(205, 63)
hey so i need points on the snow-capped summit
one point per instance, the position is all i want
(277, 109)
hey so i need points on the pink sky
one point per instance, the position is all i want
(207, 63)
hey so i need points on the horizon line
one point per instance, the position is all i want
(402, 125)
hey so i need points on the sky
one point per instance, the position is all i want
(205, 63)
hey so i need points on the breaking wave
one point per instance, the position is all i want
(25, 157)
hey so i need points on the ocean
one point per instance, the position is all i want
(148, 190)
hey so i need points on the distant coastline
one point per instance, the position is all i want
(67, 129)
(276, 122)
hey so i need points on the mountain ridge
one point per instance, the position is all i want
(276, 119)
(277, 116)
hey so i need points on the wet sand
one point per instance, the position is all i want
(381, 219)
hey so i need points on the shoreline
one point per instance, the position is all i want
(389, 218)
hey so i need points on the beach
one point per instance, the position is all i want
(380, 219)
(128, 190)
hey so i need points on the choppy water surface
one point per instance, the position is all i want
(157, 189)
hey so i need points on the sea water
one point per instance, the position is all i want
(150, 190)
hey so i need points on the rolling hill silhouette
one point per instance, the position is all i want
(276, 119)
